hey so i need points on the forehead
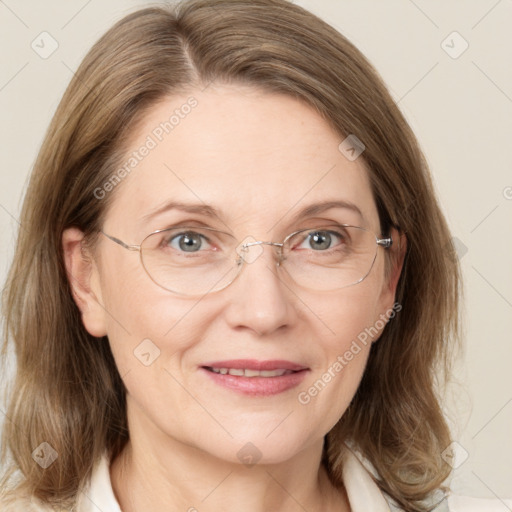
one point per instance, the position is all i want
(256, 158)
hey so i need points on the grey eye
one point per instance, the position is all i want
(187, 242)
(321, 240)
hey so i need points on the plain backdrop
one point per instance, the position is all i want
(448, 66)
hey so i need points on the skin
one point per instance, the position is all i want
(259, 157)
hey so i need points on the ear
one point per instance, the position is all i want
(83, 278)
(394, 267)
(397, 257)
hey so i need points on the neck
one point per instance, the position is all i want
(159, 473)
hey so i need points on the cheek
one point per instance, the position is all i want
(146, 325)
(348, 323)
(348, 314)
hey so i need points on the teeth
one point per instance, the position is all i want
(241, 372)
(273, 373)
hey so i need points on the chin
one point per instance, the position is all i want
(259, 448)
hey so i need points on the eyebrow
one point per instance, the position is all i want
(209, 211)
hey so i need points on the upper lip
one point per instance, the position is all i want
(254, 364)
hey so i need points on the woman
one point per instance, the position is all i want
(234, 287)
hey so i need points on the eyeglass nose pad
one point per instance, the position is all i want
(280, 256)
(244, 252)
(247, 256)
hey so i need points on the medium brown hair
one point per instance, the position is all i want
(67, 390)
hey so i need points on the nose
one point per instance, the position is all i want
(262, 300)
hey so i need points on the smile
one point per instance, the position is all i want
(255, 378)
(246, 372)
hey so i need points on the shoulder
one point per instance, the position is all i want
(360, 477)
(97, 494)
(457, 503)
(23, 503)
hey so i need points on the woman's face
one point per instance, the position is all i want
(257, 159)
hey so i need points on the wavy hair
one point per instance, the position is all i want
(67, 390)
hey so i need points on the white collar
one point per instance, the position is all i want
(363, 493)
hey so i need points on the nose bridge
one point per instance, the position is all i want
(262, 302)
(255, 256)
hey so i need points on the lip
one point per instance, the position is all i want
(254, 364)
(257, 386)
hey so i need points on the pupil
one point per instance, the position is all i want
(321, 239)
(188, 242)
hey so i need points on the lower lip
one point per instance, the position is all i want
(258, 386)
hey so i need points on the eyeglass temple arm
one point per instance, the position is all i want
(121, 243)
(385, 242)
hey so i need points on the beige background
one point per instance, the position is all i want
(459, 104)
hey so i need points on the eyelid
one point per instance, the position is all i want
(195, 223)
(214, 240)
(182, 233)
(334, 229)
(331, 227)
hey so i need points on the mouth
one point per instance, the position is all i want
(257, 378)
(247, 372)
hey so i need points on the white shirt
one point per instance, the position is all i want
(363, 493)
